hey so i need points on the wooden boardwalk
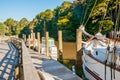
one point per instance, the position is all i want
(35, 66)
(8, 61)
(50, 69)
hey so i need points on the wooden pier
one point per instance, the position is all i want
(21, 63)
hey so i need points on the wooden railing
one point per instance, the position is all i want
(27, 70)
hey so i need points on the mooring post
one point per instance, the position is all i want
(31, 34)
(79, 48)
(47, 44)
(38, 37)
(17, 36)
(20, 46)
(60, 47)
(17, 72)
(24, 38)
(29, 41)
(34, 41)
(17, 42)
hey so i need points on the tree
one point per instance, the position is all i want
(2, 29)
(42, 21)
(103, 17)
(96, 15)
(22, 23)
(11, 25)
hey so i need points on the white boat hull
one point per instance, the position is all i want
(95, 70)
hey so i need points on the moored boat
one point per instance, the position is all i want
(101, 61)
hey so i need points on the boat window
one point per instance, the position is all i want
(96, 52)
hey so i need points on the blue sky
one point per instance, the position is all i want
(17, 9)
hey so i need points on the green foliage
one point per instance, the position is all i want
(69, 16)
(100, 9)
(96, 16)
(31, 25)
(14, 27)
(65, 5)
(106, 25)
(65, 21)
(2, 29)
(26, 31)
(103, 17)
(11, 26)
(43, 21)
(47, 15)
(62, 22)
(22, 23)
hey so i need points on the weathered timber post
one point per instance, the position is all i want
(29, 41)
(17, 36)
(38, 37)
(20, 46)
(47, 44)
(24, 38)
(34, 41)
(31, 34)
(79, 48)
(17, 71)
(17, 42)
(60, 47)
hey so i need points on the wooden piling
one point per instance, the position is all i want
(79, 48)
(47, 44)
(38, 37)
(31, 34)
(34, 41)
(17, 36)
(29, 41)
(24, 38)
(60, 47)
(17, 73)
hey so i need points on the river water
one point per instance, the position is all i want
(69, 50)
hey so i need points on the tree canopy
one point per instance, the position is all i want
(96, 15)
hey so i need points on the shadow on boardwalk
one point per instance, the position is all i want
(8, 63)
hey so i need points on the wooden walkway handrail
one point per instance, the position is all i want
(26, 69)
(29, 71)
